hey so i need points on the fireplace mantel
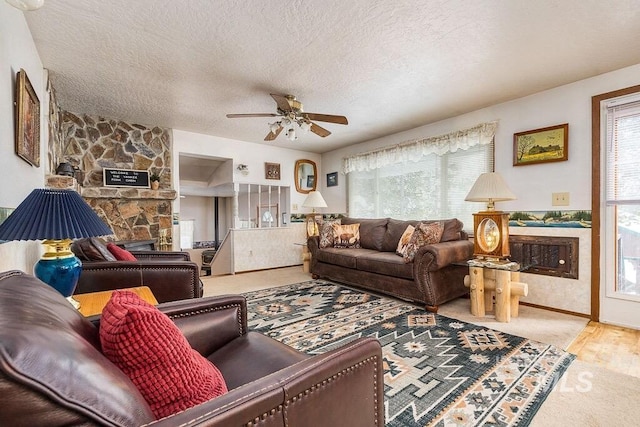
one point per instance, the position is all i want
(127, 193)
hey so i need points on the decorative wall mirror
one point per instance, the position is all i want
(306, 174)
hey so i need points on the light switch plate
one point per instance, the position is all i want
(559, 199)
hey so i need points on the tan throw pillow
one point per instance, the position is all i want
(326, 233)
(404, 241)
(424, 234)
(346, 236)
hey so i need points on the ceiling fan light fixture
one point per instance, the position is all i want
(291, 134)
(274, 127)
(305, 126)
(286, 123)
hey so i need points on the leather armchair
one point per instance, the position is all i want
(170, 275)
(53, 373)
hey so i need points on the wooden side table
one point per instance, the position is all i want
(92, 303)
(306, 257)
(488, 281)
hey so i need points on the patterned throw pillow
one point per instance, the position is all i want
(150, 349)
(424, 234)
(404, 241)
(346, 236)
(326, 233)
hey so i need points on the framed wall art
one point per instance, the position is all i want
(550, 144)
(27, 120)
(272, 170)
(332, 179)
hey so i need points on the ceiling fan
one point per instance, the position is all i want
(290, 113)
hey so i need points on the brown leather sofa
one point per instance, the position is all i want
(434, 277)
(53, 373)
(170, 275)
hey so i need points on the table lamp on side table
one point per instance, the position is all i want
(314, 200)
(55, 216)
(490, 227)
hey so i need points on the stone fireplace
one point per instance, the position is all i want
(92, 143)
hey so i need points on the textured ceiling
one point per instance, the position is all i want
(387, 65)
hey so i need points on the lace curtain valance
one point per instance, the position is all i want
(414, 150)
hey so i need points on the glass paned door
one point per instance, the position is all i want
(628, 248)
(620, 242)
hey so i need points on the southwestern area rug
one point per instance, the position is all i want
(438, 371)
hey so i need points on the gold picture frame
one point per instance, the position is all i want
(272, 171)
(544, 145)
(27, 120)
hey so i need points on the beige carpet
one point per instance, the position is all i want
(536, 324)
(586, 395)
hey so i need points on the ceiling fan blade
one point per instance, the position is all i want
(237, 116)
(282, 102)
(341, 120)
(271, 136)
(318, 130)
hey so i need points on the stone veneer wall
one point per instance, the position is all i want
(92, 143)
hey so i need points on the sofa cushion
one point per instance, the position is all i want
(119, 253)
(372, 231)
(326, 233)
(452, 230)
(404, 240)
(91, 249)
(346, 236)
(51, 370)
(386, 263)
(423, 234)
(395, 228)
(153, 353)
(342, 257)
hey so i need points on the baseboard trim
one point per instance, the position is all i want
(557, 310)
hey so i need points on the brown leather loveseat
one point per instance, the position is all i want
(52, 371)
(171, 276)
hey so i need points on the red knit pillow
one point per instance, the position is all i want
(150, 349)
(120, 254)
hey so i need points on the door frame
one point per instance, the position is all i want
(596, 215)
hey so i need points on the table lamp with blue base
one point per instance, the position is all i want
(55, 216)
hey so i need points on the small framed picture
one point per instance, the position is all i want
(332, 179)
(272, 170)
(550, 144)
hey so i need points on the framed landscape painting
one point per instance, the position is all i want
(27, 120)
(550, 144)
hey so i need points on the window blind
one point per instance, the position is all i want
(623, 152)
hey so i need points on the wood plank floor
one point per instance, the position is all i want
(611, 347)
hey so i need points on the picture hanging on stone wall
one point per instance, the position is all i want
(27, 120)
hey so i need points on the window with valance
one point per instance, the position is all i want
(421, 179)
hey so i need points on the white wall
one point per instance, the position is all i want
(251, 154)
(532, 184)
(17, 50)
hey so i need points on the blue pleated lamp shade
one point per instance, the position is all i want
(53, 214)
(56, 216)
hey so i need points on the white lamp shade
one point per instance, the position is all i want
(314, 200)
(489, 187)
